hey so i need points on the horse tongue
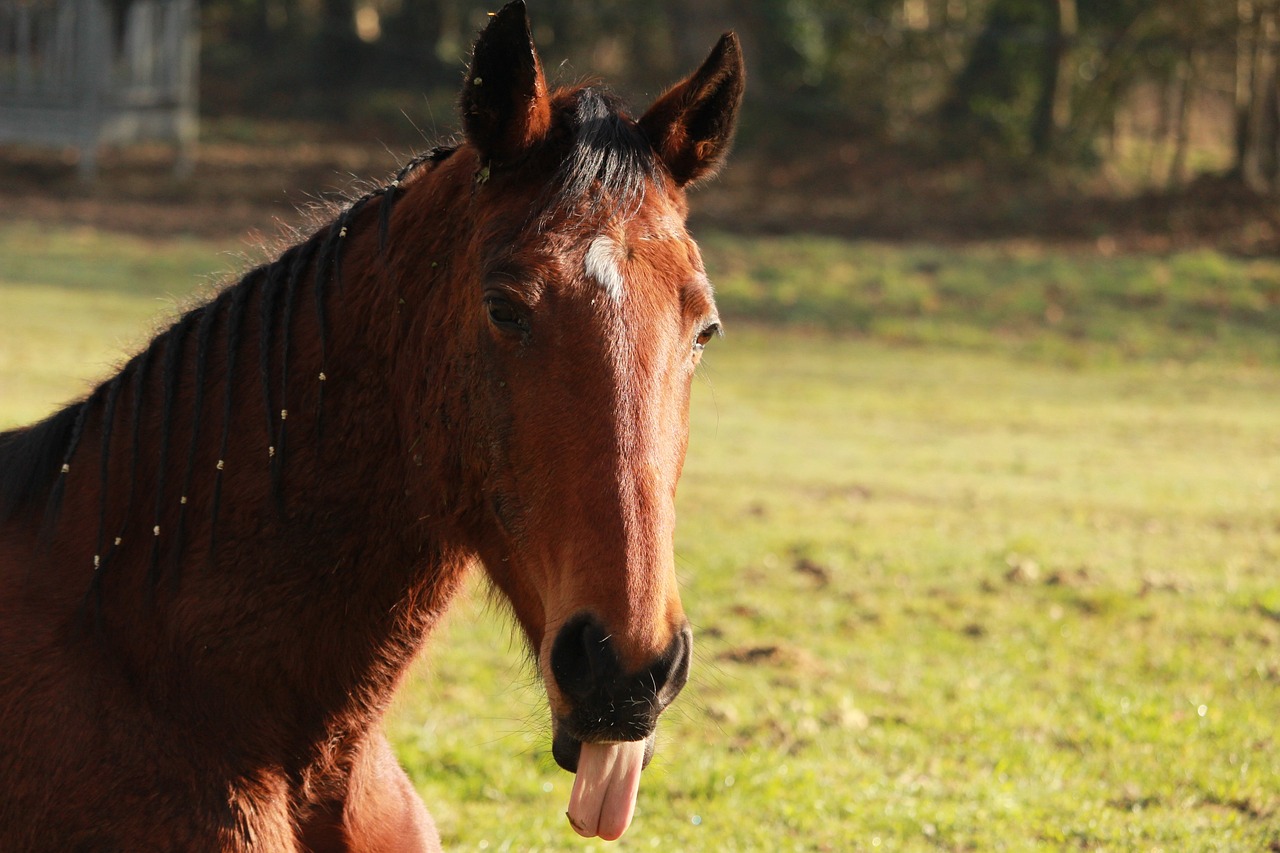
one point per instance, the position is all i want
(605, 789)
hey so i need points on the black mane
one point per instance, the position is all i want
(30, 456)
(609, 155)
(35, 460)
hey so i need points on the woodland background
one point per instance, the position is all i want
(1148, 124)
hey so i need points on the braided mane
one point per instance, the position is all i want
(36, 460)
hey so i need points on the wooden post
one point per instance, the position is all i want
(92, 72)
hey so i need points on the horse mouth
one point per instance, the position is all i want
(604, 704)
(567, 747)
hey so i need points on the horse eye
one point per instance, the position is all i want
(705, 336)
(502, 313)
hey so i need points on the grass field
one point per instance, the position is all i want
(980, 545)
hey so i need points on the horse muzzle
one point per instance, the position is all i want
(607, 703)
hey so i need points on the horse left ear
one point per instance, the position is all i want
(691, 126)
(505, 105)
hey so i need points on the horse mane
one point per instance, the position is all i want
(30, 455)
(607, 154)
(34, 460)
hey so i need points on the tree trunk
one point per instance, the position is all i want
(336, 53)
(983, 72)
(1053, 106)
(1188, 76)
(1259, 164)
(1246, 62)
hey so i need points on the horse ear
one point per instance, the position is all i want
(505, 105)
(691, 126)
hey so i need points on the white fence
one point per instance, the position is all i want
(85, 73)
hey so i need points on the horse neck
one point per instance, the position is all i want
(290, 575)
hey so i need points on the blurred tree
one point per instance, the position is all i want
(1053, 102)
(1257, 90)
(336, 52)
(411, 37)
(1044, 78)
(991, 100)
(1035, 80)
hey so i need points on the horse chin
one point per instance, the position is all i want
(565, 749)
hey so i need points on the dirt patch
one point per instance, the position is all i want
(818, 573)
(794, 659)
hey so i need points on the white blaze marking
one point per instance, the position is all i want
(603, 263)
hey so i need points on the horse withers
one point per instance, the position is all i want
(217, 567)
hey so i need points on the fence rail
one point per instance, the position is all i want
(85, 73)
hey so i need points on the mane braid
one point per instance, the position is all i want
(204, 333)
(104, 462)
(140, 364)
(29, 459)
(235, 316)
(438, 154)
(329, 261)
(322, 274)
(302, 257)
(391, 192)
(174, 340)
(60, 484)
(104, 470)
(274, 273)
(337, 242)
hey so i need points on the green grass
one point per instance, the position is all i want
(1022, 299)
(961, 580)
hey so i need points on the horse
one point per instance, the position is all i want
(217, 567)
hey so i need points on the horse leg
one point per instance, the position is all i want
(380, 811)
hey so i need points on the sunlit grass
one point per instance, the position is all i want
(994, 587)
(1013, 298)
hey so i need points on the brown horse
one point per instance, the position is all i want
(215, 569)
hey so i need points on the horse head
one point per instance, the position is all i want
(586, 308)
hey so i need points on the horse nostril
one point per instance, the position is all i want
(675, 673)
(607, 701)
(595, 649)
(582, 657)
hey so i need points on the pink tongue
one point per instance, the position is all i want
(605, 789)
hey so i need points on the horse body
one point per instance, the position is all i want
(216, 569)
(233, 672)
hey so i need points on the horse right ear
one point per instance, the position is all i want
(691, 126)
(505, 105)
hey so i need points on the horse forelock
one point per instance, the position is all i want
(607, 156)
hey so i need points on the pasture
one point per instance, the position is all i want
(980, 546)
